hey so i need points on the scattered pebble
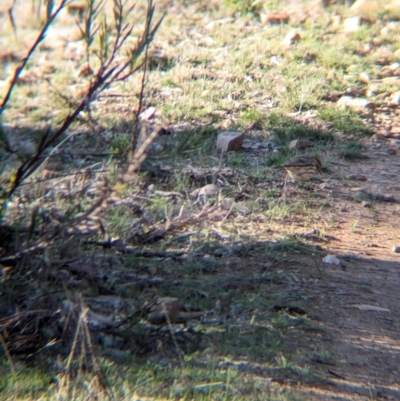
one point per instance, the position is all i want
(291, 38)
(351, 24)
(396, 249)
(356, 104)
(229, 141)
(208, 258)
(148, 114)
(395, 100)
(274, 18)
(204, 192)
(366, 8)
(364, 77)
(331, 260)
(300, 144)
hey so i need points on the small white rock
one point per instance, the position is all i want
(364, 77)
(207, 190)
(291, 38)
(331, 260)
(300, 144)
(394, 66)
(384, 31)
(351, 24)
(395, 98)
(274, 60)
(365, 8)
(356, 104)
(148, 114)
(208, 258)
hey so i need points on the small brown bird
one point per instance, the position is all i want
(301, 168)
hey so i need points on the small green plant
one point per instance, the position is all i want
(244, 6)
(283, 136)
(119, 144)
(195, 142)
(279, 158)
(252, 116)
(344, 120)
(323, 356)
(237, 160)
(290, 245)
(351, 151)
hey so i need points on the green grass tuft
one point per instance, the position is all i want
(344, 120)
(351, 151)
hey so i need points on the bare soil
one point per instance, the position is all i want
(357, 302)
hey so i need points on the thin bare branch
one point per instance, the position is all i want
(23, 62)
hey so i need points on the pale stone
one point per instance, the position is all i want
(364, 77)
(331, 260)
(395, 98)
(229, 140)
(365, 8)
(291, 38)
(351, 24)
(204, 192)
(393, 9)
(391, 81)
(300, 144)
(357, 104)
(384, 31)
(148, 114)
(394, 66)
(274, 18)
(275, 61)
(208, 190)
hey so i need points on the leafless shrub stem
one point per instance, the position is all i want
(109, 71)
